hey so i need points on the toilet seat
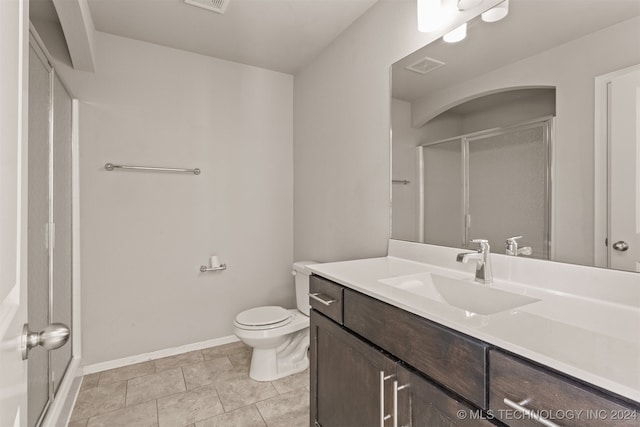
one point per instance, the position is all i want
(259, 318)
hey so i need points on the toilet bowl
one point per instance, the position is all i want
(279, 336)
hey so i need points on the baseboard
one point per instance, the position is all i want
(119, 363)
(59, 412)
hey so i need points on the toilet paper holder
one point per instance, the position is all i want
(204, 268)
(215, 265)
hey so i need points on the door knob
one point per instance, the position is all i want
(51, 337)
(620, 246)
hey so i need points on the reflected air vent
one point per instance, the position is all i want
(425, 65)
(215, 5)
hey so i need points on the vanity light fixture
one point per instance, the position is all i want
(429, 15)
(468, 4)
(456, 35)
(496, 13)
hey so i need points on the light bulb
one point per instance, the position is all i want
(496, 13)
(468, 4)
(456, 35)
(429, 14)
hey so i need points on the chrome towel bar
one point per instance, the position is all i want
(111, 166)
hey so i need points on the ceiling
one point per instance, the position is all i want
(279, 35)
(532, 26)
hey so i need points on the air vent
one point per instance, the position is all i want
(215, 5)
(425, 65)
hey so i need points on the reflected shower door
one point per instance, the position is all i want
(509, 187)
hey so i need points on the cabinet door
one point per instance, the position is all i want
(422, 404)
(346, 383)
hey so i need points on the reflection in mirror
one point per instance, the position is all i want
(496, 139)
(490, 184)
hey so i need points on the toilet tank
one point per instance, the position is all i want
(301, 274)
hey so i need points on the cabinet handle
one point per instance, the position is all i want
(395, 401)
(318, 297)
(529, 413)
(383, 417)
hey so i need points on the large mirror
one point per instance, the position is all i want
(527, 127)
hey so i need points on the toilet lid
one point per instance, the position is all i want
(262, 316)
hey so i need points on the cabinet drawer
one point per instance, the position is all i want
(451, 359)
(560, 400)
(325, 296)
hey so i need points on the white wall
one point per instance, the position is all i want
(145, 234)
(571, 68)
(404, 165)
(341, 134)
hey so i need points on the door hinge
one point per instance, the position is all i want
(606, 241)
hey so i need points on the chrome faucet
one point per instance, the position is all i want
(483, 261)
(512, 247)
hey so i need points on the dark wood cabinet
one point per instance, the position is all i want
(526, 395)
(346, 378)
(356, 384)
(326, 297)
(450, 358)
(423, 404)
(376, 365)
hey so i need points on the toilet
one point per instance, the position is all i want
(279, 336)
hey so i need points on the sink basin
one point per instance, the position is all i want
(467, 295)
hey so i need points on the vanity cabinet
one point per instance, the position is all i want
(373, 364)
(355, 382)
(349, 378)
(450, 358)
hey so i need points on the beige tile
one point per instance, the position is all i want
(241, 358)
(143, 415)
(127, 372)
(184, 408)
(292, 382)
(90, 381)
(243, 417)
(211, 371)
(224, 350)
(287, 410)
(178, 360)
(243, 391)
(151, 387)
(78, 423)
(98, 400)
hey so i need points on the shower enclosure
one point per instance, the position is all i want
(49, 227)
(492, 184)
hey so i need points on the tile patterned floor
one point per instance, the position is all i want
(204, 388)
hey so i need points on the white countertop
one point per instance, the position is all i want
(592, 340)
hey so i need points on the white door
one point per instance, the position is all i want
(624, 172)
(14, 39)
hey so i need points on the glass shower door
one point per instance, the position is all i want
(49, 228)
(61, 274)
(38, 251)
(508, 187)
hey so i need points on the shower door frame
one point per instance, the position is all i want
(57, 410)
(547, 125)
